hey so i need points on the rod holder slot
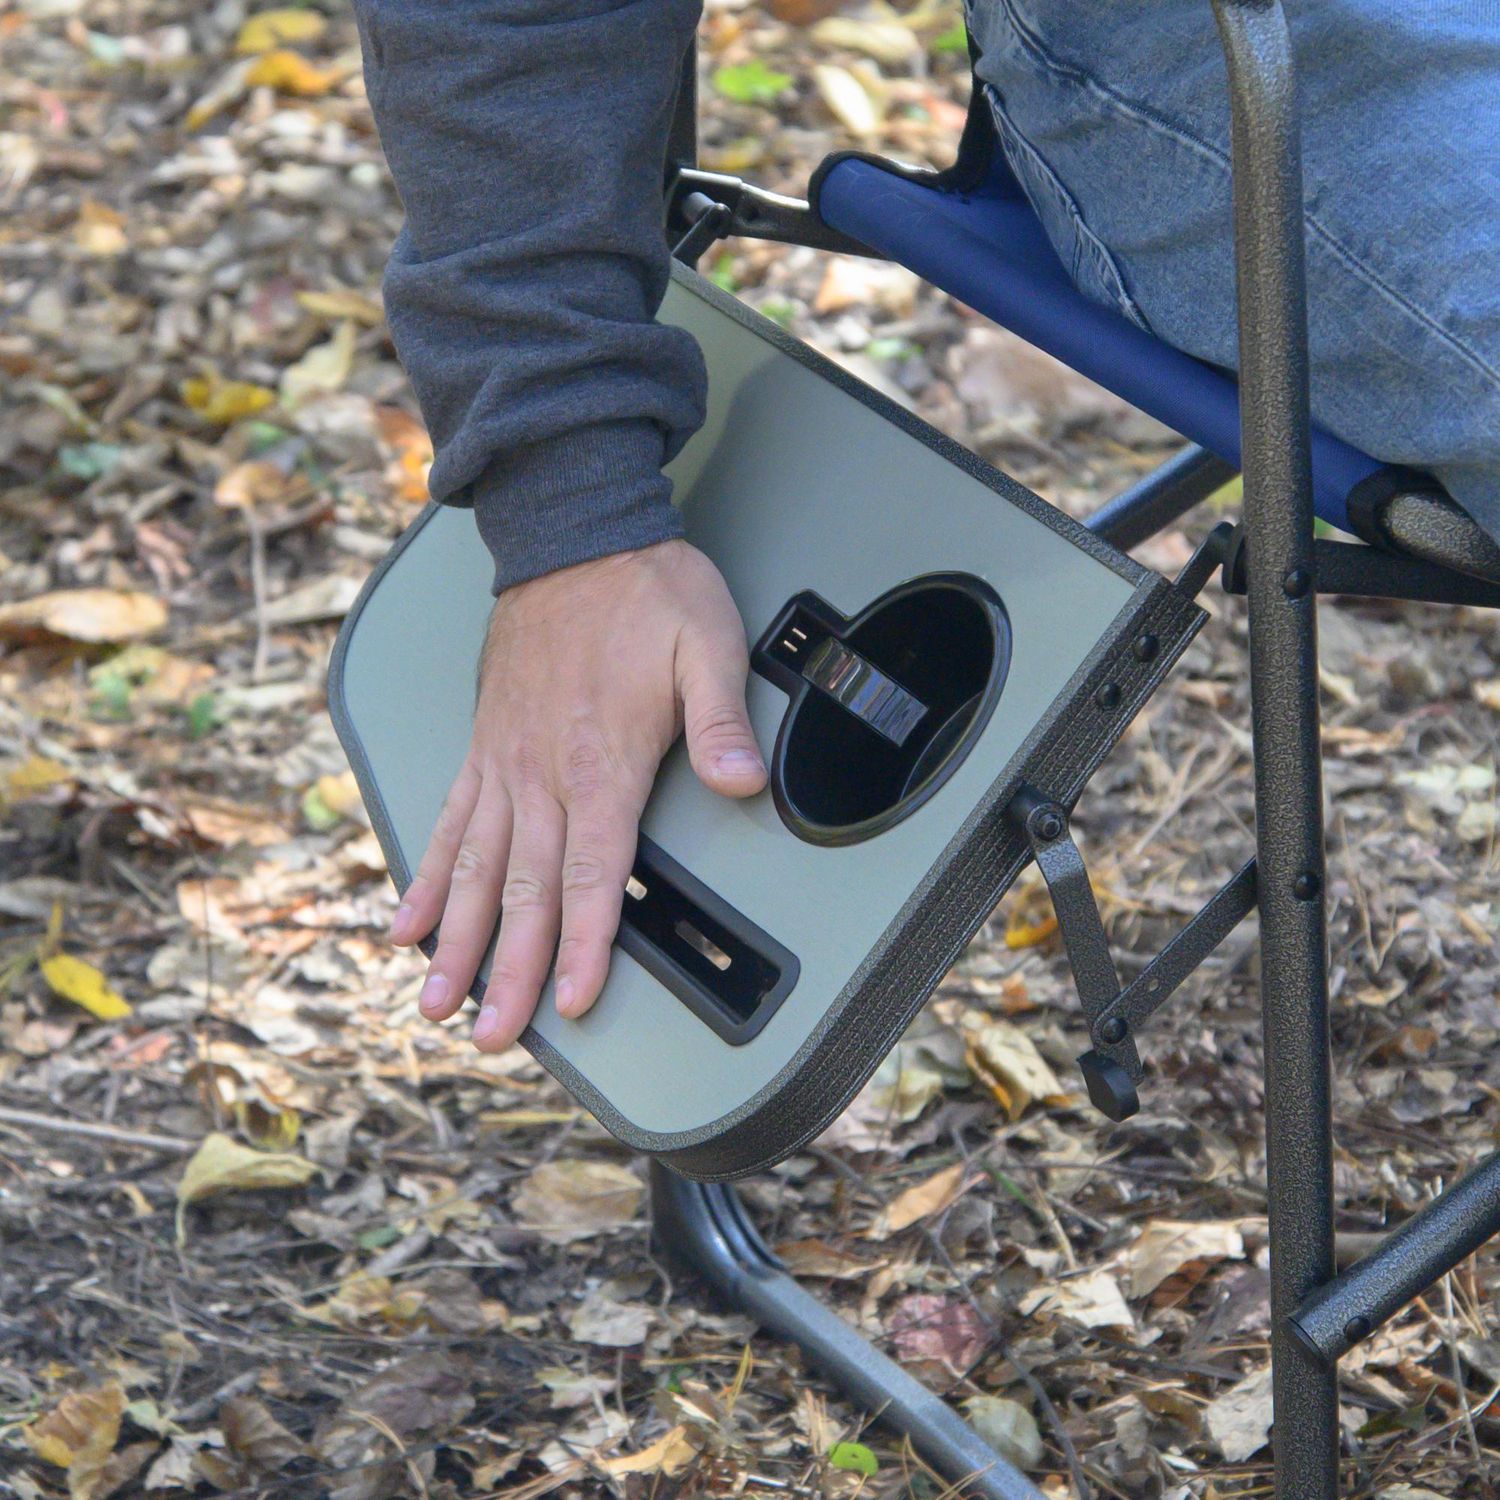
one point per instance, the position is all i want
(729, 972)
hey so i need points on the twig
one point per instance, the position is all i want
(143, 1139)
(258, 588)
(386, 1432)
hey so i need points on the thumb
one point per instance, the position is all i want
(721, 745)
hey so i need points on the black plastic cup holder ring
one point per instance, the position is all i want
(885, 705)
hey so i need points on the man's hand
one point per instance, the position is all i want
(589, 674)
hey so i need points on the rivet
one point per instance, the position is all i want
(1114, 1031)
(1306, 886)
(1296, 583)
(1146, 647)
(1108, 696)
(1357, 1328)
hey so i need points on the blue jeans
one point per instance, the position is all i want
(1114, 115)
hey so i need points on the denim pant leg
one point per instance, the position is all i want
(1114, 114)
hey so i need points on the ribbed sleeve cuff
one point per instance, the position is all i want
(581, 495)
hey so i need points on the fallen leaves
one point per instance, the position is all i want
(93, 617)
(1005, 1058)
(225, 401)
(573, 1199)
(920, 1201)
(1240, 1420)
(73, 979)
(1091, 1299)
(1167, 1250)
(222, 1165)
(270, 29)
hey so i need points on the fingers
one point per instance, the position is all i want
(473, 904)
(601, 840)
(721, 745)
(422, 900)
(529, 921)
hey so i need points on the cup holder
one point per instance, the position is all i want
(884, 706)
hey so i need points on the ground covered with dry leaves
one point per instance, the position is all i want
(266, 1232)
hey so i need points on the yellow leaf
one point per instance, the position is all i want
(274, 28)
(270, 1128)
(84, 985)
(94, 616)
(291, 73)
(222, 1165)
(225, 401)
(35, 774)
(1029, 934)
(81, 1429)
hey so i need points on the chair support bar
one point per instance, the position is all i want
(1186, 479)
(704, 1227)
(1426, 1247)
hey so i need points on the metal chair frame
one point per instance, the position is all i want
(1274, 558)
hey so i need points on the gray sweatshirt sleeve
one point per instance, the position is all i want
(527, 140)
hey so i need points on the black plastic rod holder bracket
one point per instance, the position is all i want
(1111, 1068)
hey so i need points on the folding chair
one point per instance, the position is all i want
(970, 231)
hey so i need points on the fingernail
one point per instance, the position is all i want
(566, 995)
(739, 763)
(487, 1024)
(401, 923)
(434, 992)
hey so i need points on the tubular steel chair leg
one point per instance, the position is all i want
(1284, 695)
(704, 1227)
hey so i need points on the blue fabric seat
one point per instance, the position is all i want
(986, 247)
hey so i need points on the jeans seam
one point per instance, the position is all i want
(1215, 156)
(1012, 136)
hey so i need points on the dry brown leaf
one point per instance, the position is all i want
(255, 482)
(671, 1453)
(79, 1434)
(887, 42)
(100, 229)
(325, 367)
(225, 401)
(571, 1200)
(92, 616)
(1005, 1058)
(343, 302)
(1165, 1246)
(1092, 1300)
(253, 1433)
(1240, 1420)
(920, 1201)
(847, 99)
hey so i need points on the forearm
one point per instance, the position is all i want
(527, 139)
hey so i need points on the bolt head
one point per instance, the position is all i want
(1306, 886)
(1146, 647)
(1114, 1031)
(1108, 696)
(1049, 826)
(1296, 583)
(1357, 1328)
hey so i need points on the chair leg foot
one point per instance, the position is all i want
(704, 1227)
